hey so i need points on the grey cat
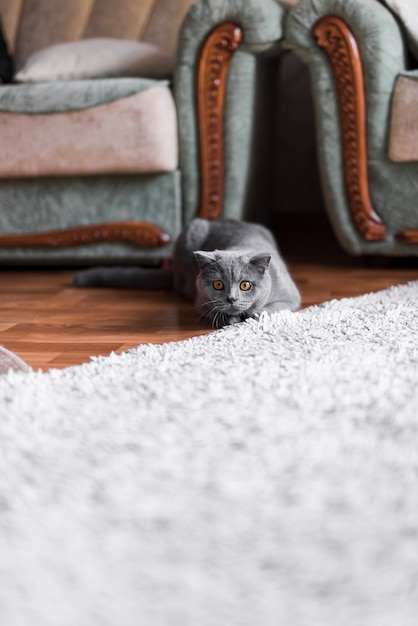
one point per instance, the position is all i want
(230, 269)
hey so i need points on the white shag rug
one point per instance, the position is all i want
(263, 475)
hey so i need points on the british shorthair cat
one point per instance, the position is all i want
(230, 269)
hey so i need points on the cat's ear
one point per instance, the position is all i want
(204, 258)
(260, 262)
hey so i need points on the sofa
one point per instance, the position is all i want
(123, 121)
(362, 57)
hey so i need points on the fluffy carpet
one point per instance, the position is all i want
(265, 474)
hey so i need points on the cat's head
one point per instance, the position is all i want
(230, 285)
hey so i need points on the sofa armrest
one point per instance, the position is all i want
(354, 50)
(252, 27)
(382, 48)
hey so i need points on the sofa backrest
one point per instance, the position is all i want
(31, 25)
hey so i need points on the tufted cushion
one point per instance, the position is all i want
(121, 19)
(43, 23)
(31, 25)
(164, 24)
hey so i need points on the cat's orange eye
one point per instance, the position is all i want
(245, 285)
(218, 285)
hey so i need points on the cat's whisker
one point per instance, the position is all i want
(208, 312)
(204, 318)
(218, 315)
(207, 303)
(220, 319)
(214, 318)
(211, 316)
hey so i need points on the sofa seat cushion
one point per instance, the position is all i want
(135, 133)
(403, 133)
(34, 205)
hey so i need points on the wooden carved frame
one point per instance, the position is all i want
(138, 233)
(336, 39)
(212, 73)
(407, 236)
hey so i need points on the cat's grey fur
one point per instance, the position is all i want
(226, 253)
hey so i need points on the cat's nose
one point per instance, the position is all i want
(230, 299)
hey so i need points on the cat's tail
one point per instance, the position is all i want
(125, 278)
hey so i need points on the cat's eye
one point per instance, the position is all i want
(245, 285)
(218, 285)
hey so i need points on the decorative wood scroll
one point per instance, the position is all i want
(407, 236)
(213, 68)
(339, 44)
(139, 233)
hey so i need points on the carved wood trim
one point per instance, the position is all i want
(213, 67)
(140, 234)
(338, 42)
(407, 236)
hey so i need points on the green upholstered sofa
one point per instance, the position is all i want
(105, 167)
(363, 62)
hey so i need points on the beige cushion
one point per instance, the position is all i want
(164, 24)
(137, 134)
(403, 136)
(31, 25)
(95, 58)
(47, 22)
(123, 19)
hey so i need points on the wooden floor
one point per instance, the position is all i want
(50, 323)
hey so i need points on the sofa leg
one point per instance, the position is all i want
(336, 39)
(212, 70)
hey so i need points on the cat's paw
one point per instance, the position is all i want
(233, 319)
(237, 319)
